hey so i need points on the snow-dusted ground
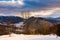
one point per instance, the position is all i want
(29, 37)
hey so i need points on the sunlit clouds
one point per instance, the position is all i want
(52, 12)
(37, 8)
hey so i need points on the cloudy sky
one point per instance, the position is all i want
(44, 8)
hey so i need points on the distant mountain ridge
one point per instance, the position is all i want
(53, 20)
(14, 19)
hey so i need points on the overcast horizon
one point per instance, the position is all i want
(43, 8)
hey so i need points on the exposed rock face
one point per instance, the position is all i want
(7, 30)
(37, 26)
(57, 28)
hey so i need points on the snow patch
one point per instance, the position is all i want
(20, 24)
(29, 37)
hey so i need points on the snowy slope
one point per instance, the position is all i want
(29, 37)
